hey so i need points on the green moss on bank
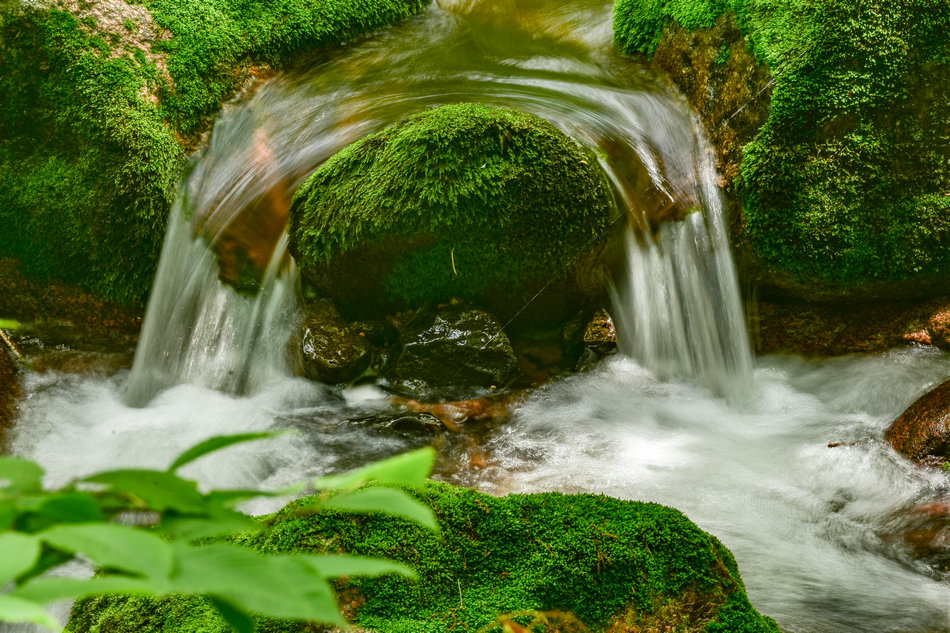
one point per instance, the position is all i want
(846, 183)
(94, 128)
(468, 201)
(613, 564)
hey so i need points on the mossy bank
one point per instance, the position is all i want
(101, 102)
(839, 128)
(465, 201)
(616, 566)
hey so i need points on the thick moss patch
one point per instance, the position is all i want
(846, 183)
(96, 118)
(617, 566)
(470, 201)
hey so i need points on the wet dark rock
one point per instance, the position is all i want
(379, 332)
(600, 341)
(408, 423)
(922, 432)
(461, 354)
(601, 334)
(326, 349)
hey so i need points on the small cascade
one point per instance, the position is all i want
(228, 223)
(677, 304)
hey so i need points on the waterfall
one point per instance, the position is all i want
(199, 329)
(676, 304)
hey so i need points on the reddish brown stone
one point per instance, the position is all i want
(455, 414)
(922, 432)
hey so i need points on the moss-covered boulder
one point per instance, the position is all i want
(468, 201)
(844, 183)
(615, 566)
(101, 101)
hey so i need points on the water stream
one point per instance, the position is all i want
(686, 417)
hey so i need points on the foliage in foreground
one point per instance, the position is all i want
(96, 119)
(180, 551)
(848, 180)
(585, 562)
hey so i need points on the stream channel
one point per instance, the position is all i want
(685, 416)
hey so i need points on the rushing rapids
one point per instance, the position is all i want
(688, 418)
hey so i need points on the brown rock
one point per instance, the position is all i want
(9, 390)
(832, 329)
(922, 535)
(454, 415)
(922, 432)
(938, 329)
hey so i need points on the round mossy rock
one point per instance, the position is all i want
(589, 562)
(480, 203)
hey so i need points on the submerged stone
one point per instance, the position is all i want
(461, 354)
(922, 432)
(611, 566)
(489, 205)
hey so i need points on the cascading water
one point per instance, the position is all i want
(687, 419)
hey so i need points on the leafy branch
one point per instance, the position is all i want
(154, 533)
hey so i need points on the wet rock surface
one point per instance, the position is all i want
(406, 423)
(326, 349)
(921, 537)
(459, 355)
(832, 329)
(922, 432)
(9, 390)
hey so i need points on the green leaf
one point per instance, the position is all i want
(70, 507)
(213, 444)
(114, 546)
(9, 324)
(19, 610)
(277, 586)
(239, 620)
(20, 475)
(48, 589)
(230, 497)
(159, 491)
(189, 529)
(336, 565)
(409, 469)
(18, 554)
(385, 501)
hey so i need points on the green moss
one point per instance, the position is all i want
(846, 182)
(89, 161)
(639, 24)
(462, 201)
(88, 167)
(590, 555)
